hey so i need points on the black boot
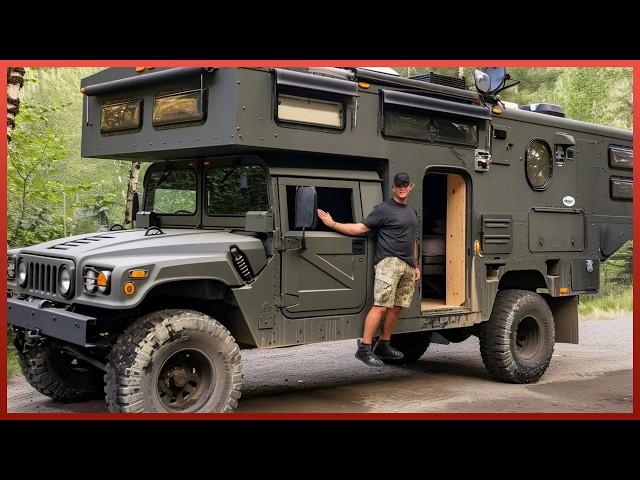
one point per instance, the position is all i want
(366, 355)
(383, 349)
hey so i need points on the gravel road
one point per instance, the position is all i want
(595, 376)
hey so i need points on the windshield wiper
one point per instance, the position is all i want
(165, 173)
(234, 166)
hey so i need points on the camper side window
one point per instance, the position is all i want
(337, 201)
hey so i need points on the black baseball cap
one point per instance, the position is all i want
(401, 177)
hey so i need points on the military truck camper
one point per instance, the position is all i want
(517, 209)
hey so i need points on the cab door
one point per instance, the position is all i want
(328, 275)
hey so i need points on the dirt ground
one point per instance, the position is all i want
(595, 376)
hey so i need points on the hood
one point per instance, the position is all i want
(174, 242)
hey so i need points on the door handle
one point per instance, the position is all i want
(358, 246)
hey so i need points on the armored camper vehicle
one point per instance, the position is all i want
(517, 208)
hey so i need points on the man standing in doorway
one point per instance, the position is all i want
(396, 267)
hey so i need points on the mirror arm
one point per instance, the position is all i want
(505, 87)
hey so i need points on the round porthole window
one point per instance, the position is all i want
(538, 164)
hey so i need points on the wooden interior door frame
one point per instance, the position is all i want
(456, 234)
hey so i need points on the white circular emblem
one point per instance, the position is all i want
(569, 201)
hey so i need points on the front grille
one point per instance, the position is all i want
(42, 276)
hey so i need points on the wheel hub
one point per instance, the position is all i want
(178, 377)
(528, 338)
(186, 380)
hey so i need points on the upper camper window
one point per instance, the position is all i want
(429, 128)
(121, 117)
(538, 164)
(171, 192)
(310, 111)
(236, 189)
(178, 108)
(337, 201)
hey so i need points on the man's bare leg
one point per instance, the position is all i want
(393, 314)
(372, 322)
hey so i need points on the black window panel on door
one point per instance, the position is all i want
(337, 201)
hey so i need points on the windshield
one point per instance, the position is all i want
(236, 189)
(172, 191)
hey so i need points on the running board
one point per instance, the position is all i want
(444, 311)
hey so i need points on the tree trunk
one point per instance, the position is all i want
(131, 188)
(15, 81)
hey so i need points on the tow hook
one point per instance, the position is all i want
(32, 338)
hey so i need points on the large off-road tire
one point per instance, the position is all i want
(412, 345)
(174, 361)
(517, 341)
(57, 374)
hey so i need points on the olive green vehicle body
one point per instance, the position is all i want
(515, 236)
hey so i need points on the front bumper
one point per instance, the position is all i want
(58, 323)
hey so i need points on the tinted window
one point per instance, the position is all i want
(430, 128)
(236, 189)
(171, 192)
(337, 201)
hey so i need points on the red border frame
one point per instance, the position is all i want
(4, 415)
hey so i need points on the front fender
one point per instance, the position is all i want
(216, 267)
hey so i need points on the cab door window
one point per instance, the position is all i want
(337, 201)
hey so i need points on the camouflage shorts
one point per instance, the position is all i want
(395, 284)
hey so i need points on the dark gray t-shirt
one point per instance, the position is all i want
(396, 227)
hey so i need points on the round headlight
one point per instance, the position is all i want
(22, 273)
(90, 277)
(64, 281)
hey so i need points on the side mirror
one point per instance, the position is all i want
(306, 207)
(483, 81)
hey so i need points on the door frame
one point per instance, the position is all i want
(468, 225)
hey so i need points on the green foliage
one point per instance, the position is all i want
(616, 286)
(13, 367)
(617, 271)
(35, 157)
(607, 303)
(53, 193)
(596, 95)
